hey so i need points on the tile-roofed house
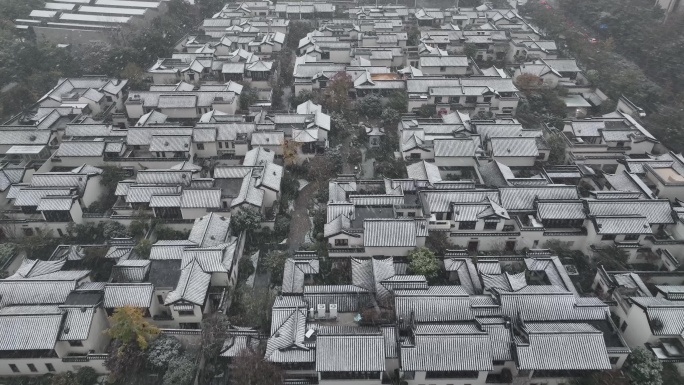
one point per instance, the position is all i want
(130, 270)
(390, 233)
(210, 230)
(350, 354)
(561, 346)
(621, 225)
(424, 171)
(31, 292)
(656, 211)
(295, 272)
(441, 348)
(192, 286)
(522, 198)
(29, 332)
(138, 295)
(514, 147)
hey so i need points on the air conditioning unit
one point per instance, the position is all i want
(333, 310)
(321, 310)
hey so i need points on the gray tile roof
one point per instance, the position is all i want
(286, 343)
(130, 270)
(443, 61)
(174, 177)
(369, 273)
(80, 148)
(424, 171)
(350, 353)
(430, 309)
(29, 332)
(175, 143)
(77, 323)
(166, 250)
(32, 292)
(192, 286)
(622, 225)
(55, 204)
(458, 147)
(501, 340)
(210, 230)
(32, 196)
(128, 294)
(294, 273)
(143, 194)
(389, 233)
(165, 201)
(206, 198)
(60, 179)
(25, 137)
(562, 346)
(522, 198)
(142, 136)
(656, 211)
(542, 306)
(389, 333)
(446, 348)
(514, 146)
(440, 201)
(561, 210)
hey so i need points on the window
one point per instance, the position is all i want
(60, 232)
(14, 368)
(76, 343)
(322, 84)
(608, 237)
(411, 215)
(487, 99)
(466, 225)
(186, 313)
(438, 99)
(341, 242)
(490, 225)
(200, 146)
(32, 368)
(50, 367)
(400, 214)
(498, 363)
(442, 69)
(632, 237)
(471, 99)
(160, 299)
(614, 360)
(415, 156)
(28, 231)
(455, 99)
(191, 76)
(325, 55)
(621, 144)
(109, 98)
(624, 326)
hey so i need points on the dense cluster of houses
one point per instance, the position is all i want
(506, 309)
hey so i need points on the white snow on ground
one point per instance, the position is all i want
(302, 183)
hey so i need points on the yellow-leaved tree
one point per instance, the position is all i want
(128, 325)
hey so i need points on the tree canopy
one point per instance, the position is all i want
(643, 368)
(422, 261)
(128, 326)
